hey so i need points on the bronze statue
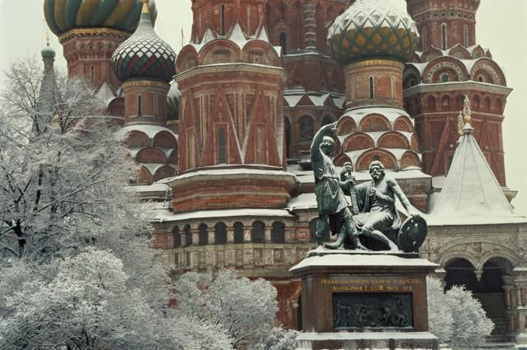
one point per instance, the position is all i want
(332, 205)
(373, 215)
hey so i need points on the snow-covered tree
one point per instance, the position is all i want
(77, 270)
(278, 339)
(456, 317)
(245, 309)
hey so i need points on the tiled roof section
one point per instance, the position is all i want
(144, 55)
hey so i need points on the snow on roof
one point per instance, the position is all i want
(471, 194)
(302, 201)
(152, 167)
(237, 36)
(293, 97)
(163, 215)
(397, 152)
(155, 187)
(392, 113)
(235, 170)
(105, 93)
(150, 130)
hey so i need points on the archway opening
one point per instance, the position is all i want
(487, 287)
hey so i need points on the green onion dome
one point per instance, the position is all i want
(144, 55)
(373, 29)
(123, 15)
(47, 52)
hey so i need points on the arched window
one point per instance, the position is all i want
(188, 235)
(139, 105)
(278, 233)
(92, 74)
(372, 88)
(203, 235)
(238, 233)
(222, 19)
(220, 233)
(393, 86)
(176, 236)
(465, 35)
(287, 137)
(258, 232)
(443, 36)
(283, 43)
(222, 151)
(306, 129)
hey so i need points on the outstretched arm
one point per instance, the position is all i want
(402, 197)
(326, 130)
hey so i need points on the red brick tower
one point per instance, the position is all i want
(314, 88)
(90, 31)
(231, 124)
(146, 65)
(449, 66)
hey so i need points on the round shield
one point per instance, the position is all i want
(412, 234)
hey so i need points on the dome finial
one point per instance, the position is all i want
(145, 7)
(467, 116)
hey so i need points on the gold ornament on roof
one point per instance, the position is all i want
(467, 112)
(145, 7)
(465, 118)
(460, 124)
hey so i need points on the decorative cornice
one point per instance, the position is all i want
(376, 62)
(79, 32)
(145, 83)
(231, 67)
(457, 86)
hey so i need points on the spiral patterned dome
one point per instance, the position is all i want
(373, 29)
(64, 15)
(144, 55)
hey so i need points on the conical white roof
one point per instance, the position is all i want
(471, 195)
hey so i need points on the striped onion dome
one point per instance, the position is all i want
(144, 54)
(123, 15)
(373, 29)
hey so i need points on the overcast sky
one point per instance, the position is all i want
(502, 27)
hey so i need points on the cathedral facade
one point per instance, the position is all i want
(225, 128)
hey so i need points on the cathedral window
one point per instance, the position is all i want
(306, 128)
(443, 36)
(139, 105)
(393, 87)
(156, 106)
(465, 35)
(278, 233)
(258, 232)
(372, 88)
(188, 235)
(203, 235)
(92, 74)
(220, 233)
(191, 149)
(238, 233)
(283, 42)
(287, 137)
(222, 19)
(222, 151)
(176, 237)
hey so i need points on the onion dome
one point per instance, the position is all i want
(144, 54)
(373, 29)
(65, 15)
(48, 52)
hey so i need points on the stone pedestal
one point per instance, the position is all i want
(357, 300)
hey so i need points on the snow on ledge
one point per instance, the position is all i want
(164, 215)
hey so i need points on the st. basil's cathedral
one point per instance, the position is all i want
(222, 130)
